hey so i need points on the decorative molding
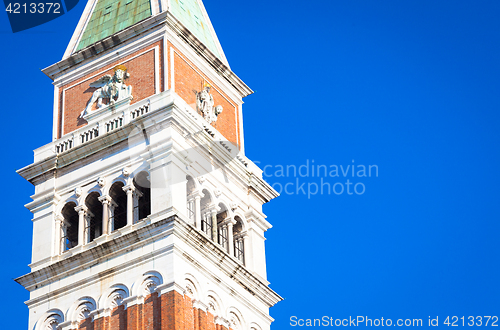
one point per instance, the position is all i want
(217, 193)
(101, 181)
(201, 179)
(150, 284)
(83, 311)
(116, 298)
(126, 172)
(200, 305)
(222, 321)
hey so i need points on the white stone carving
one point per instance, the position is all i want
(115, 299)
(217, 193)
(78, 192)
(52, 325)
(234, 321)
(52, 322)
(205, 104)
(150, 284)
(189, 290)
(83, 311)
(101, 181)
(112, 87)
(234, 206)
(201, 179)
(126, 171)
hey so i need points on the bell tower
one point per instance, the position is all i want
(147, 215)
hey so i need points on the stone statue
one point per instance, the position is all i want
(205, 104)
(112, 87)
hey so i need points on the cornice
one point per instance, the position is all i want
(167, 110)
(140, 237)
(229, 265)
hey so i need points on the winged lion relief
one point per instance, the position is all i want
(109, 87)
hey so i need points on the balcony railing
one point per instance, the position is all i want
(103, 123)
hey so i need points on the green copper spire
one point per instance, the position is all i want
(191, 16)
(111, 16)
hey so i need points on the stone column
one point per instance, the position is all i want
(230, 239)
(86, 233)
(137, 195)
(82, 211)
(197, 211)
(214, 225)
(58, 237)
(246, 249)
(129, 189)
(106, 201)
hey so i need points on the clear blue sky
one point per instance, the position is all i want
(409, 86)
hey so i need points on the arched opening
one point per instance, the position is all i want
(206, 214)
(69, 227)
(190, 189)
(239, 249)
(118, 207)
(142, 206)
(93, 217)
(222, 234)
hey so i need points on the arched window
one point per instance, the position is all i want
(222, 234)
(69, 227)
(94, 217)
(143, 207)
(206, 213)
(118, 207)
(190, 189)
(239, 250)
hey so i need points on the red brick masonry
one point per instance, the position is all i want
(188, 78)
(142, 80)
(170, 311)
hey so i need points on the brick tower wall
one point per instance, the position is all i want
(170, 311)
(186, 79)
(74, 95)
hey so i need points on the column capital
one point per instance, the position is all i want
(229, 222)
(81, 208)
(129, 188)
(105, 199)
(200, 305)
(222, 321)
(59, 218)
(242, 235)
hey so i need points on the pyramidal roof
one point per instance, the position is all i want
(103, 18)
